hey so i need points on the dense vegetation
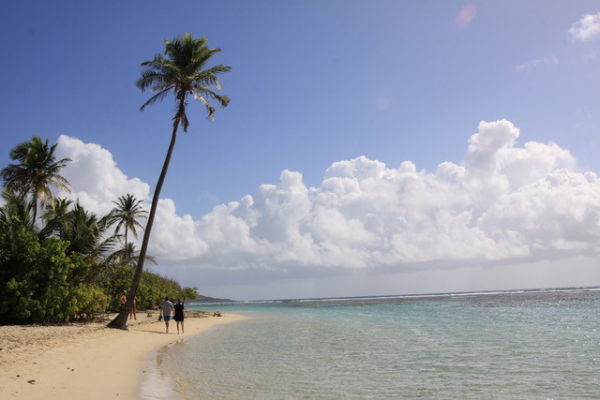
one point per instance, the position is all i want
(58, 261)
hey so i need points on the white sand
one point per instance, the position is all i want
(86, 361)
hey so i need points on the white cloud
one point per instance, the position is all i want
(587, 28)
(174, 237)
(527, 65)
(504, 204)
(94, 177)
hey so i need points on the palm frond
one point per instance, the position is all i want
(222, 100)
(154, 79)
(153, 99)
(217, 69)
(209, 109)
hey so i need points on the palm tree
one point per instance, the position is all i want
(86, 233)
(36, 171)
(56, 217)
(88, 237)
(125, 214)
(14, 214)
(129, 256)
(180, 71)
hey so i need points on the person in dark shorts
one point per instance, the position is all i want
(179, 314)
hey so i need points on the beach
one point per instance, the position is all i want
(74, 361)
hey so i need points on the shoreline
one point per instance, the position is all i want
(74, 361)
(157, 382)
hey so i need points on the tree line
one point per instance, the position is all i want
(58, 261)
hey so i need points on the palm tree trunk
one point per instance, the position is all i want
(35, 206)
(120, 320)
(126, 247)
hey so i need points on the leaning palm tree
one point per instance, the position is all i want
(126, 214)
(36, 171)
(181, 72)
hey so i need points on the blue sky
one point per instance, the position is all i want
(316, 83)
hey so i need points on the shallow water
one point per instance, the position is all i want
(540, 344)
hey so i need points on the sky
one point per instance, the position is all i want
(370, 147)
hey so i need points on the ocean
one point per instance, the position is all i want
(533, 344)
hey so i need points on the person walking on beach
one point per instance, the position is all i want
(132, 313)
(166, 308)
(179, 314)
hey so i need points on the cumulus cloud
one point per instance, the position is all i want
(587, 28)
(94, 177)
(502, 203)
(505, 203)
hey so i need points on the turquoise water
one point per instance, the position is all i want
(509, 345)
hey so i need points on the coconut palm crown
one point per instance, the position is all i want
(128, 209)
(181, 71)
(36, 172)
